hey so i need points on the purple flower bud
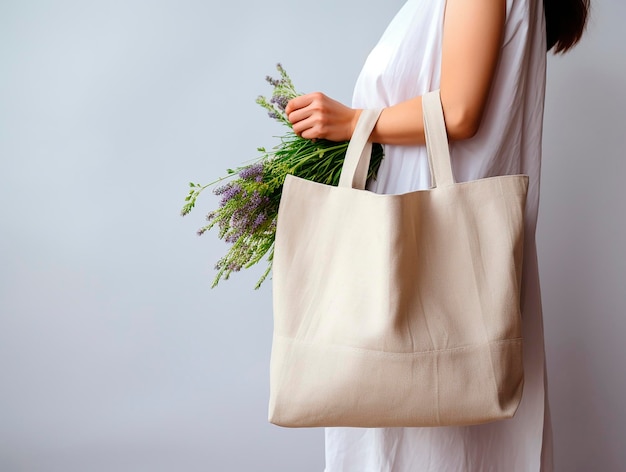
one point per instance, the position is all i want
(252, 171)
(261, 217)
(231, 191)
(280, 101)
(258, 201)
(272, 81)
(240, 220)
(231, 238)
(221, 190)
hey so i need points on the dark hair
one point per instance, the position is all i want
(565, 22)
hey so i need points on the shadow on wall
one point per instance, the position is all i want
(583, 268)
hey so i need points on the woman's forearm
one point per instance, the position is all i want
(400, 124)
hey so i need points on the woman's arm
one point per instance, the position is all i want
(472, 37)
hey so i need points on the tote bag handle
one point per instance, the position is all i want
(356, 164)
(357, 161)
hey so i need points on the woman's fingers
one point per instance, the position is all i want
(300, 111)
(317, 116)
(302, 101)
(303, 106)
(308, 128)
(299, 114)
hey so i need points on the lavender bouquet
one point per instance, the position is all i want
(248, 207)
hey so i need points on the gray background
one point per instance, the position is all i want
(114, 353)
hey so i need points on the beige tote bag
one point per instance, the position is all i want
(397, 310)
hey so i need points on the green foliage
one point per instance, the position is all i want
(248, 210)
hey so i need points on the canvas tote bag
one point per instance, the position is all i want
(397, 310)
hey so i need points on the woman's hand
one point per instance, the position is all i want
(316, 116)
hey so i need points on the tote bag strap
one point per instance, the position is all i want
(436, 140)
(357, 161)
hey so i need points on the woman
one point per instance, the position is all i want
(488, 57)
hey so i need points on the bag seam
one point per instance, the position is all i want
(398, 354)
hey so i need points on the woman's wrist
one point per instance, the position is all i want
(356, 113)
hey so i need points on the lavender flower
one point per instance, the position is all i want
(233, 237)
(259, 220)
(252, 172)
(228, 192)
(222, 189)
(280, 101)
(258, 201)
(273, 82)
